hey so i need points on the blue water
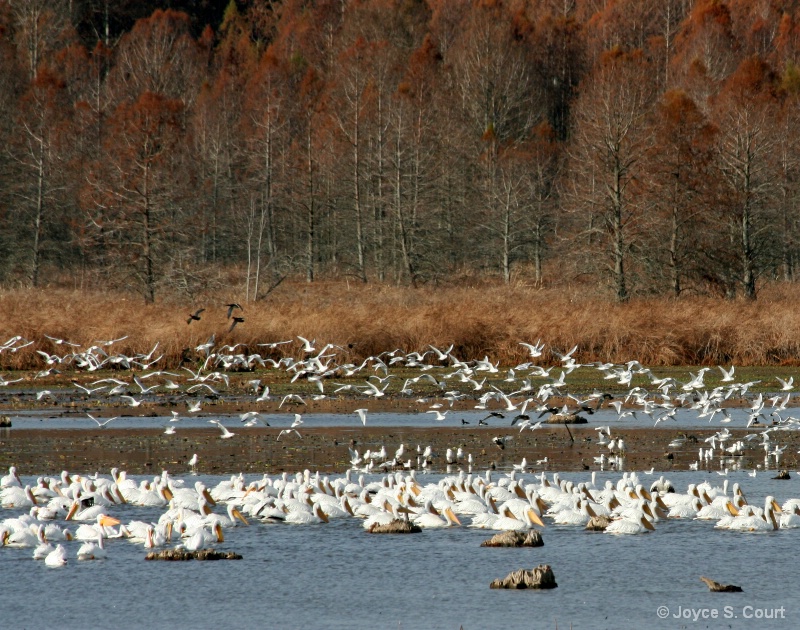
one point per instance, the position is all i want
(337, 576)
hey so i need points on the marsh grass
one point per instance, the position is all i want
(366, 319)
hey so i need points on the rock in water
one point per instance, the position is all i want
(538, 577)
(183, 554)
(598, 523)
(716, 587)
(530, 538)
(397, 526)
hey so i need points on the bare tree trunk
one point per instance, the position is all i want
(37, 221)
(357, 196)
(310, 208)
(147, 250)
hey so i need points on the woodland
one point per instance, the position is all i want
(627, 148)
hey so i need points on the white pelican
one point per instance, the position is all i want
(684, 510)
(579, 514)
(92, 550)
(16, 497)
(509, 522)
(229, 520)
(43, 550)
(305, 517)
(637, 524)
(429, 520)
(751, 519)
(91, 532)
(57, 557)
(790, 520)
(30, 536)
(11, 479)
(203, 538)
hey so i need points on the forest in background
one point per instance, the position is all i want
(623, 148)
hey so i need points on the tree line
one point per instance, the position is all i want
(629, 147)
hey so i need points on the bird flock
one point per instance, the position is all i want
(436, 379)
(79, 517)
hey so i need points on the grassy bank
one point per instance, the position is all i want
(368, 319)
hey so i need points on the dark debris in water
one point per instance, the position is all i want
(183, 554)
(716, 587)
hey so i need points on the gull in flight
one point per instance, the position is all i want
(440, 415)
(132, 401)
(287, 431)
(362, 413)
(104, 423)
(225, 433)
(534, 349)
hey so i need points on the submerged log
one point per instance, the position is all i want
(531, 538)
(397, 526)
(538, 577)
(566, 418)
(183, 554)
(598, 523)
(716, 587)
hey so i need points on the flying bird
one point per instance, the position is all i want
(103, 423)
(225, 433)
(236, 320)
(232, 306)
(195, 316)
(362, 413)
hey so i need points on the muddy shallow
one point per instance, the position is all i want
(256, 450)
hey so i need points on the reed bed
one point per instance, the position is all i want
(368, 319)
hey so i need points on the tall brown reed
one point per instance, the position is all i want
(367, 319)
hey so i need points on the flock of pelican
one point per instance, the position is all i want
(82, 517)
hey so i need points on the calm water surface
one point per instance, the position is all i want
(53, 419)
(337, 576)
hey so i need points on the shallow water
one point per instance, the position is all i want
(52, 419)
(337, 576)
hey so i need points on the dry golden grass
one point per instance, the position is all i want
(478, 321)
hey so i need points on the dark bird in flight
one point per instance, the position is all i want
(232, 306)
(236, 320)
(195, 316)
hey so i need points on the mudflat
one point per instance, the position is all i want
(258, 449)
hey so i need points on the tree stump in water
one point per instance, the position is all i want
(397, 526)
(598, 523)
(530, 538)
(540, 577)
(716, 587)
(183, 554)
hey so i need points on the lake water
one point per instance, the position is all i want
(52, 419)
(337, 576)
